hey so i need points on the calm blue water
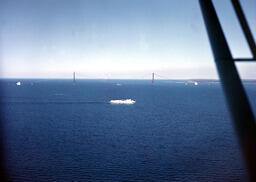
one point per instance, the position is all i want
(55, 131)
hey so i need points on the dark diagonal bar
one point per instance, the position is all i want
(245, 26)
(236, 97)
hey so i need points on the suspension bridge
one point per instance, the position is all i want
(153, 76)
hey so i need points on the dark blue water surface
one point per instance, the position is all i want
(57, 131)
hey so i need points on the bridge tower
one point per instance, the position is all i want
(153, 78)
(74, 78)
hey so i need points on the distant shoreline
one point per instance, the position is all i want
(202, 81)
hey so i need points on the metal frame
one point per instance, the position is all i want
(236, 97)
(245, 27)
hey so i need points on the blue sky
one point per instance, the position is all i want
(115, 38)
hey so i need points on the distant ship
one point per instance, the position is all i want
(124, 101)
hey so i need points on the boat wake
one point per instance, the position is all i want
(124, 101)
